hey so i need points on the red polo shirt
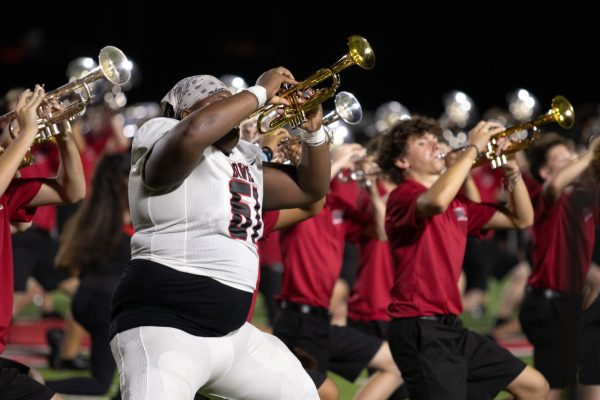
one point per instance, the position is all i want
(313, 250)
(45, 217)
(428, 252)
(269, 220)
(563, 239)
(371, 295)
(18, 194)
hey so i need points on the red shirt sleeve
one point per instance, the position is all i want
(19, 194)
(269, 220)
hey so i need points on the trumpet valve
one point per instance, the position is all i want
(499, 161)
(297, 118)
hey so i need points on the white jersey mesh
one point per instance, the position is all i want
(208, 225)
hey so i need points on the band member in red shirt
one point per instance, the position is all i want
(427, 224)
(312, 254)
(18, 197)
(566, 211)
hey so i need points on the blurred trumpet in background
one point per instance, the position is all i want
(364, 171)
(522, 104)
(389, 114)
(459, 113)
(234, 83)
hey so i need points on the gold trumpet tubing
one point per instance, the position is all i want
(312, 80)
(70, 112)
(542, 120)
(516, 145)
(501, 159)
(47, 127)
(64, 90)
(561, 112)
(342, 64)
(82, 83)
(359, 53)
(295, 115)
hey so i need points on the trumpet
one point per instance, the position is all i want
(359, 53)
(561, 112)
(360, 176)
(113, 65)
(347, 108)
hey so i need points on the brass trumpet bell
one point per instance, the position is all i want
(359, 53)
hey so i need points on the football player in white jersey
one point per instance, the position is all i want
(196, 194)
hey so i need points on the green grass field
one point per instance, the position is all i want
(347, 389)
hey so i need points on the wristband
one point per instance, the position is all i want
(267, 154)
(260, 93)
(314, 138)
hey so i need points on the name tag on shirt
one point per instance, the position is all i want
(460, 214)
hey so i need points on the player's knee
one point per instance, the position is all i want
(542, 387)
(531, 384)
(328, 390)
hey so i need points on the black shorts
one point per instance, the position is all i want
(39, 263)
(443, 360)
(589, 345)
(596, 252)
(485, 258)
(551, 325)
(378, 329)
(317, 377)
(17, 386)
(350, 263)
(351, 351)
(8, 363)
(342, 350)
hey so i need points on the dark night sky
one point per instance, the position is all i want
(419, 57)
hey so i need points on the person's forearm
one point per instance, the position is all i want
(379, 208)
(439, 196)
(70, 171)
(520, 204)
(336, 167)
(470, 190)
(314, 170)
(567, 175)
(11, 159)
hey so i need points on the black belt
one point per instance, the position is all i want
(304, 308)
(547, 293)
(448, 319)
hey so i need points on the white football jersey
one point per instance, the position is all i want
(210, 224)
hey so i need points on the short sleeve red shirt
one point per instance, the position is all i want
(428, 252)
(563, 239)
(18, 194)
(370, 296)
(269, 220)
